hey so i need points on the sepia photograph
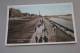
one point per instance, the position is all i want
(40, 24)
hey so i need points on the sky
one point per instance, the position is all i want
(46, 9)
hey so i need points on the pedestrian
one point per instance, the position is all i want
(55, 28)
(40, 39)
(36, 39)
(45, 39)
(35, 29)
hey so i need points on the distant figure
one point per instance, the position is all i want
(36, 38)
(45, 39)
(55, 28)
(39, 25)
(35, 29)
(40, 39)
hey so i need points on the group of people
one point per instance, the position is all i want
(41, 39)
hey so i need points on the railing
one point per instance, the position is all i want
(67, 29)
(64, 29)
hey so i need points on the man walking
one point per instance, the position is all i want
(36, 39)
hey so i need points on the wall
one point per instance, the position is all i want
(63, 48)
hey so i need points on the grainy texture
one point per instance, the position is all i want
(63, 48)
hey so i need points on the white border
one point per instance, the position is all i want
(6, 34)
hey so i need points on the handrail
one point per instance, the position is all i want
(62, 26)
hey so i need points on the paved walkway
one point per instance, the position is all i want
(38, 32)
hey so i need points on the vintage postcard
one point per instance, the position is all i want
(40, 24)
